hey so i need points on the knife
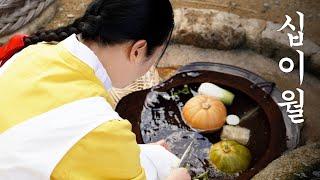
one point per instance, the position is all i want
(186, 153)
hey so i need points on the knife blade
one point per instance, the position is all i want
(186, 153)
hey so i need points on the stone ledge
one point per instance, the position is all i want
(213, 29)
(275, 44)
(292, 163)
(314, 65)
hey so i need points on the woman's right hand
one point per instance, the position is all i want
(179, 174)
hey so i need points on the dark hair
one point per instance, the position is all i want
(118, 21)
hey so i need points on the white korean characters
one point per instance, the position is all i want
(294, 108)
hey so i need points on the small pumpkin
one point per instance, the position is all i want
(204, 113)
(229, 156)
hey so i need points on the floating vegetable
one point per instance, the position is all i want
(233, 120)
(230, 156)
(204, 113)
(213, 90)
(236, 133)
(185, 90)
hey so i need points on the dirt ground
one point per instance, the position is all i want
(67, 12)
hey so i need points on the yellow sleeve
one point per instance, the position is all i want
(108, 152)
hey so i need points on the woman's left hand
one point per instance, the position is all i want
(162, 143)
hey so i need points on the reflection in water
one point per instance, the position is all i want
(161, 119)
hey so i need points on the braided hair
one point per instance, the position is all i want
(117, 21)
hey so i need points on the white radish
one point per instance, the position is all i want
(213, 90)
(233, 120)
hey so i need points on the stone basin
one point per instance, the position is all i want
(272, 132)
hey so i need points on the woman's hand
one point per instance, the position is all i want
(179, 174)
(162, 143)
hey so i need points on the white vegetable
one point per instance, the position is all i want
(233, 120)
(213, 90)
(236, 133)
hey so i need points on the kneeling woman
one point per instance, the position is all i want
(56, 116)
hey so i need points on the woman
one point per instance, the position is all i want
(56, 119)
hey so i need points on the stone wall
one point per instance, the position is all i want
(214, 29)
(270, 10)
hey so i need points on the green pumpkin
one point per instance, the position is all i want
(229, 156)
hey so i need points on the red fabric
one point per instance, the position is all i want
(15, 44)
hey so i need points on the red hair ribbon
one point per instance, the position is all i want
(15, 44)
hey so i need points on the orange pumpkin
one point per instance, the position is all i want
(204, 113)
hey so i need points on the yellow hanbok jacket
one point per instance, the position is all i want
(44, 77)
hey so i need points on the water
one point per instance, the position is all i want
(161, 118)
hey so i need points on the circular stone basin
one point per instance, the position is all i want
(155, 114)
